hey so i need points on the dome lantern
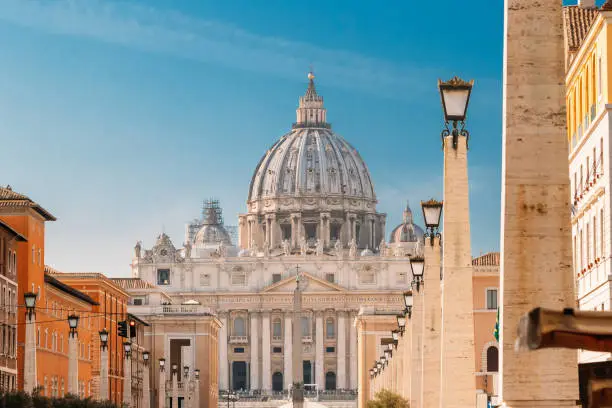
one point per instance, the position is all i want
(310, 112)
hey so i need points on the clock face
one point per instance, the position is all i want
(163, 252)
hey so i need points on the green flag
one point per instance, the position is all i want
(496, 332)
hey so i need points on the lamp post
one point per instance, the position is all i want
(161, 397)
(174, 401)
(146, 388)
(73, 355)
(457, 324)
(417, 266)
(103, 365)
(127, 374)
(432, 314)
(29, 364)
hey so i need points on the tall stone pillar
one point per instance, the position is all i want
(353, 353)
(458, 387)
(405, 347)
(103, 374)
(287, 357)
(431, 323)
(127, 381)
(298, 371)
(174, 402)
(146, 387)
(319, 352)
(29, 364)
(161, 396)
(73, 363)
(536, 252)
(416, 355)
(266, 374)
(223, 357)
(295, 234)
(341, 351)
(254, 346)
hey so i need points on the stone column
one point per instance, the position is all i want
(287, 357)
(146, 388)
(431, 321)
(223, 357)
(127, 381)
(341, 351)
(103, 374)
(254, 346)
(405, 347)
(416, 355)
(294, 230)
(319, 352)
(29, 369)
(326, 228)
(458, 387)
(73, 364)
(266, 374)
(175, 393)
(353, 352)
(274, 241)
(536, 252)
(161, 397)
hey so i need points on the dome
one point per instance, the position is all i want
(212, 235)
(407, 231)
(311, 160)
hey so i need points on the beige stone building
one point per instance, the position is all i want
(311, 209)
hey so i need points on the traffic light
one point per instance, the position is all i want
(132, 329)
(122, 329)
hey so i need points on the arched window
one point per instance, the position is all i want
(305, 326)
(492, 359)
(330, 328)
(239, 329)
(276, 328)
(330, 380)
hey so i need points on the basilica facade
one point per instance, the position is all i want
(311, 210)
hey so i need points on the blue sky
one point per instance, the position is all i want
(120, 117)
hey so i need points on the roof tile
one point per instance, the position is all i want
(577, 22)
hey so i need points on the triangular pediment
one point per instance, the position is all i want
(313, 284)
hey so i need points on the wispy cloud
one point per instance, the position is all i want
(180, 35)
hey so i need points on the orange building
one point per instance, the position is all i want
(8, 306)
(28, 219)
(54, 305)
(111, 307)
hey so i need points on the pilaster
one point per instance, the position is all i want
(254, 347)
(223, 356)
(341, 351)
(319, 351)
(266, 374)
(288, 353)
(353, 352)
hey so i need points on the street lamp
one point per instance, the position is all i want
(186, 372)
(174, 368)
(401, 323)
(30, 303)
(378, 365)
(455, 95)
(103, 338)
(395, 336)
(417, 264)
(127, 347)
(388, 355)
(408, 300)
(162, 364)
(432, 212)
(73, 322)
(196, 373)
(145, 357)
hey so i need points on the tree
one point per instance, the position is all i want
(388, 399)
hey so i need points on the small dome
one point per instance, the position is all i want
(407, 231)
(212, 234)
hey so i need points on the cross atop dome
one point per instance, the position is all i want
(311, 112)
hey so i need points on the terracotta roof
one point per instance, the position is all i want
(69, 289)
(490, 259)
(133, 283)
(607, 6)
(577, 22)
(83, 275)
(8, 228)
(10, 198)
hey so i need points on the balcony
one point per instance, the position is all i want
(307, 339)
(239, 339)
(172, 310)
